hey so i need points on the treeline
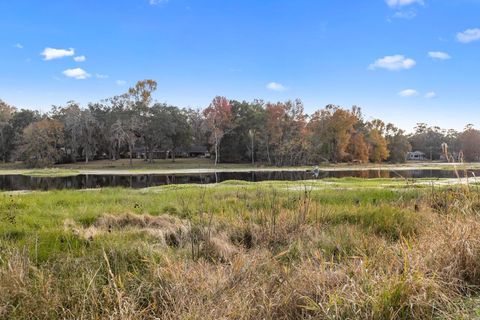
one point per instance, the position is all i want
(234, 131)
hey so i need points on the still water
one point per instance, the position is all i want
(20, 182)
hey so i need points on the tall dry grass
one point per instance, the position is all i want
(295, 259)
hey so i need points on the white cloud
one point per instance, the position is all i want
(80, 58)
(469, 35)
(51, 53)
(274, 86)
(18, 45)
(431, 95)
(393, 63)
(77, 73)
(439, 55)
(408, 15)
(408, 93)
(101, 76)
(121, 82)
(157, 2)
(401, 3)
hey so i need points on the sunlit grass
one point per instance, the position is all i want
(55, 172)
(334, 249)
(140, 166)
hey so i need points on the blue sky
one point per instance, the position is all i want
(404, 61)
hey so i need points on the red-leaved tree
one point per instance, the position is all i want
(219, 121)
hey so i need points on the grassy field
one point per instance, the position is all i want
(195, 165)
(137, 165)
(332, 249)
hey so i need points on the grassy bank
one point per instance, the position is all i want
(199, 165)
(336, 249)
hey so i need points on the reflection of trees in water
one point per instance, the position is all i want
(323, 175)
(364, 174)
(383, 174)
(20, 182)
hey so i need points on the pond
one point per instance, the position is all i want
(21, 182)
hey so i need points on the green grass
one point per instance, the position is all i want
(187, 165)
(36, 220)
(332, 249)
(158, 164)
(54, 172)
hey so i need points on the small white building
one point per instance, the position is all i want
(416, 156)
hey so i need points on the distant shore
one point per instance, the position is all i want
(205, 166)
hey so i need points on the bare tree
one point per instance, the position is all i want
(89, 129)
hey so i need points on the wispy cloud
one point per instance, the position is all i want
(469, 35)
(76, 73)
(101, 76)
(393, 63)
(274, 86)
(439, 55)
(402, 3)
(18, 46)
(52, 53)
(157, 2)
(408, 15)
(80, 58)
(121, 82)
(402, 12)
(408, 93)
(431, 95)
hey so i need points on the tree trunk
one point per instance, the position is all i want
(216, 149)
(86, 154)
(111, 152)
(130, 151)
(268, 152)
(253, 150)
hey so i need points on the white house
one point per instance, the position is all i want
(416, 156)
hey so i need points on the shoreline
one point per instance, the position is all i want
(65, 172)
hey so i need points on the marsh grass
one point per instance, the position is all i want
(52, 172)
(242, 251)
